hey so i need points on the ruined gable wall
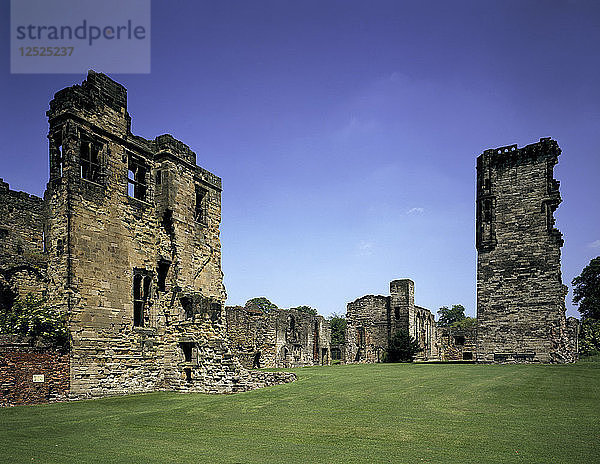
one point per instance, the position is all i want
(458, 344)
(369, 315)
(520, 295)
(250, 331)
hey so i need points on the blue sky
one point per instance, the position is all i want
(346, 132)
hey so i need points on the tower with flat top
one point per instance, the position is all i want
(520, 294)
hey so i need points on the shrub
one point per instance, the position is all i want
(33, 317)
(402, 348)
(589, 337)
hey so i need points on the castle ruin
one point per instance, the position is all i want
(282, 338)
(372, 320)
(126, 243)
(520, 294)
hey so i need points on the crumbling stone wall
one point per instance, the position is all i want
(457, 344)
(338, 352)
(31, 372)
(373, 319)
(573, 336)
(520, 294)
(22, 245)
(133, 251)
(284, 337)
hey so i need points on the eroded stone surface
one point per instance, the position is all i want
(520, 294)
(282, 338)
(131, 229)
(373, 319)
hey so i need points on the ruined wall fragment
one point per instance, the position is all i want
(284, 338)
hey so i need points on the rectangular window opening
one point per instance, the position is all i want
(89, 160)
(187, 350)
(141, 292)
(487, 210)
(163, 270)
(201, 198)
(136, 178)
(361, 336)
(56, 159)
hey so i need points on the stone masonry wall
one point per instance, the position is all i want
(520, 294)
(367, 329)
(284, 337)
(371, 320)
(133, 232)
(458, 344)
(22, 247)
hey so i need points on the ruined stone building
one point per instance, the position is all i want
(457, 344)
(373, 319)
(281, 338)
(520, 294)
(126, 242)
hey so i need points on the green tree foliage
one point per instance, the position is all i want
(465, 324)
(306, 309)
(449, 316)
(33, 317)
(262, 304)
(402, 348)
(586, 290)
(337, 323)
(589, 337)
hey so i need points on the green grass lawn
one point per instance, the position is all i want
(415, 413)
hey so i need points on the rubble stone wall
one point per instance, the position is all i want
(284, 337)
(458, 344)
(22, 245)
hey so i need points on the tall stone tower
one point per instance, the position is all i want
(134, 252)
(520, 294)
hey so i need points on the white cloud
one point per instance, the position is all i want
(416, 210)
(595, 244)
(365, 248)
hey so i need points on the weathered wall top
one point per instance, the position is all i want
(99, 92)
(97, 89)
(511, 155)
(166, 143)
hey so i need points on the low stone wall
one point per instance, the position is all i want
(260, 379)
(31, 374)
